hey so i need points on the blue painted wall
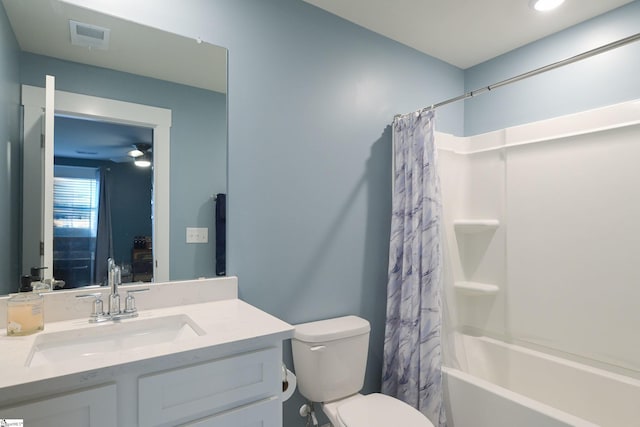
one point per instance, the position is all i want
(311, 98)
(310, 173)
(10, 167)
(603, 80)
(198, 148)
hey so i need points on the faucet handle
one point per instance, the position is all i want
(98, 311)
(130, 301)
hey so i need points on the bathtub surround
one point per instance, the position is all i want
(507, 385)
(412, 347)
(555, 219)
(556, 250)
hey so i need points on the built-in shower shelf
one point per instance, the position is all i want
(476, 288)
(470, 226)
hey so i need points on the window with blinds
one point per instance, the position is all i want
(75, 202)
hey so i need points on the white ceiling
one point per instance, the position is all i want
(461, 32)
(464, 32)
(42, 27)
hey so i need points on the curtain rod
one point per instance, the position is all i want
(553, 66)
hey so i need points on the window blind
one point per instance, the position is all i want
(75, 206)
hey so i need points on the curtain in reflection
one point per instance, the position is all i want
(412, 348)
(104, 235)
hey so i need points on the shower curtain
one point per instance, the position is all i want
(104, 232)
(412, 348)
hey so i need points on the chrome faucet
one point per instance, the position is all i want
(114, 278)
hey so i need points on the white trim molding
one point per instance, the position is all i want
(159, 119)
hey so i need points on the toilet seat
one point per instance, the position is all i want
(380, 410)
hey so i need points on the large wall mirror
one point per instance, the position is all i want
(138, 151)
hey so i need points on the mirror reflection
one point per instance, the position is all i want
(139, 65)
(102, 171)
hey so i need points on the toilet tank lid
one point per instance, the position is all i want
(331, 329)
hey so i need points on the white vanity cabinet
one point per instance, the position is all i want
(216, 363)
(94, 407)
(248, 382)
(236, 389)
(265, 413)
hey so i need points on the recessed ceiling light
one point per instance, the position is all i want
(545, 5)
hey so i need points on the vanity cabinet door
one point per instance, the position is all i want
(266, 413)
(95, 407)
(184, 394)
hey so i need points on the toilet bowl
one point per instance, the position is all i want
(330, 357)
(373, 410)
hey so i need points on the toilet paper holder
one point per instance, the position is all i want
(285, 379)
(288, 383)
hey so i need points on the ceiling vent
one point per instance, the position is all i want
(87, 35)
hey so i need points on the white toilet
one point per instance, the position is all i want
(330, 357)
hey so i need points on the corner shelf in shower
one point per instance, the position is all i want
(472, 226)
(476, 288)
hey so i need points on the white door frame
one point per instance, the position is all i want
(104, 109)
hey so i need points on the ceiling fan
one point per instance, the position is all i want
(141, 154)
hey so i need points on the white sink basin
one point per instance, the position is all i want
(57, 347)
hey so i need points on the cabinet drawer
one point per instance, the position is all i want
(94, 407)
(196, 391)
(266, 413)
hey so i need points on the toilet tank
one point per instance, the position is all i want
(330, 357)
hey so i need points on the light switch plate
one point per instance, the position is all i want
(197, 235)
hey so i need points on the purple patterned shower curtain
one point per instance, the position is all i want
(412, 348)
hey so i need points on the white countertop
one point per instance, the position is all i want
(223, 322)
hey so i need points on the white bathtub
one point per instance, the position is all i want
(511, 386)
